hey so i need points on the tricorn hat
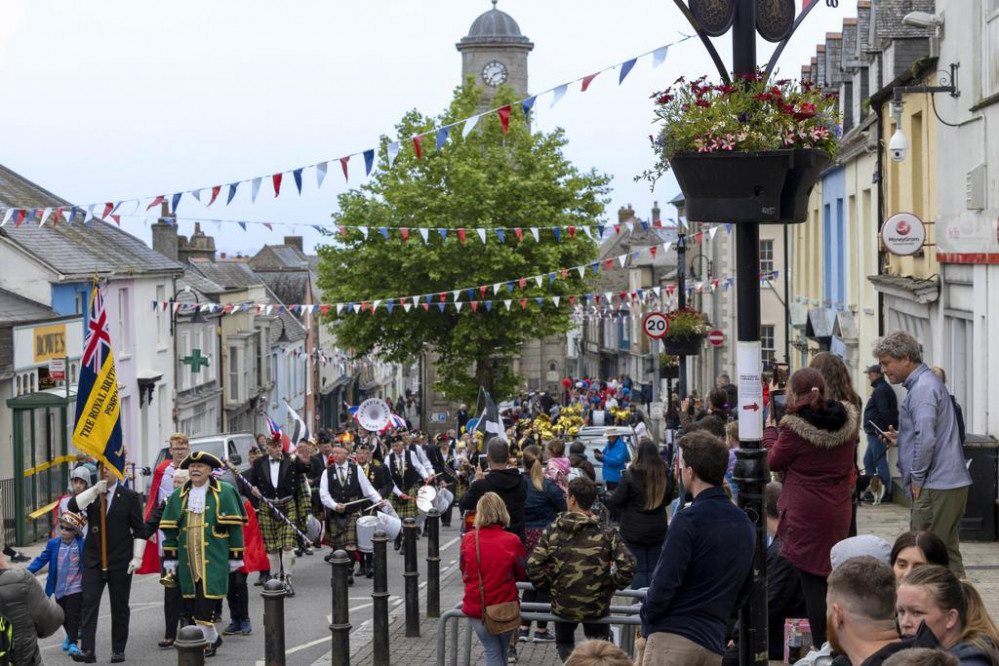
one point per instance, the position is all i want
(201, 457)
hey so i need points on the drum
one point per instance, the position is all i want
(366, 528)
(314, 530)
(425, 499)
(444, 499)
(392, 525)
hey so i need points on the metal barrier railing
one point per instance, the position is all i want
(447, 641)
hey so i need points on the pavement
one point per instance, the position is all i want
(307, 616)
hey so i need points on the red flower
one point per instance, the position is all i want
(663, 99)
(703, 103)
(763, 97)
(728, 90)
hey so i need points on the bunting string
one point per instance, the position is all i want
(276, 182)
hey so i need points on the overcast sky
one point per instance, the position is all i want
(106, 100)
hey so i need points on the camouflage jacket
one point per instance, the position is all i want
(581, 563)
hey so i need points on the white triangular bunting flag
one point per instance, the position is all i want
(45, 216)
(538, 278)
(364, 232)
(456, 293)
(711, 233)
(374, 306)
(556, 299)
(559, 94)
(469, 126)
(416, 300)
(581, 270)
(659, 56)
(407, 306)
(254, 189)
(656, 290)
(194, 193)
(393, 151)
(631, 226)
(425, 233)
(457, 305)
(507, 303)
(7, 216)
(270, 309)
(588, 232)
(621, 259)
(534, 232)
(339, 308)
(496, 288)
(482, 235)
(320, 174)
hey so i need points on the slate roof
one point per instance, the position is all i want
(15, 309)
(888, 15)
(77, 249)
(290, 287)
(227, 274)
(199, 284)
(292, 327)
(279, 257)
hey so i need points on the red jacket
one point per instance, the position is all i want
(503, 564)
(254, 557)
(815, 451)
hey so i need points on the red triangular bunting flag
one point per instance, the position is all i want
(404, 232)
(504, 116)
(418, 146)
(623, 296)
(108, 207)
(522, 282)
(475, 305)
(572, 232)
(269, 226)
(158, 200)
(19, 218)
(482, 290)
(402, 301)
(117, 219)
(277, 183)
(523, 303)
(426, 306)
(652, 250)
(442, 296)
(608, 264)
(698, 237)
(519, 233)
(572, 299)
(215, 194)
(565, 273)
(343, 230)
(461, 235)
(617, 228)
(588, 80)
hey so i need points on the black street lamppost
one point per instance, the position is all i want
(761, 187)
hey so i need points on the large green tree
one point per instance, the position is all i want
(485, 180)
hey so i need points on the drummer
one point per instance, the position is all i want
(407, 477)
(379, 477)
(340, 488)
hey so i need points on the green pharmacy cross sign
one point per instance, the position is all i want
(195, 360)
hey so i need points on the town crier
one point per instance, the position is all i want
(202, 526)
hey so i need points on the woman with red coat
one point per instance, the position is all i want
(814, 448)
(491, 574)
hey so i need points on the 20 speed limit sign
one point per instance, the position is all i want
(655, 325)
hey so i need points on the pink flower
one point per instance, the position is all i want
(819, 133)
(728, 142)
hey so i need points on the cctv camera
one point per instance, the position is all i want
(898, 146)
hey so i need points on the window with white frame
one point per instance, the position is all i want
(233, 388)
(160, 315)
(766, 256)
(768, 349)
(990, 46)
(123, 320)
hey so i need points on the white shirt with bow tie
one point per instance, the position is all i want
(343, 472)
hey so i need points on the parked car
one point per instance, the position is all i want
(595, 439)
(229, 447)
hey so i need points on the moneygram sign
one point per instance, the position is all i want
(903, 234)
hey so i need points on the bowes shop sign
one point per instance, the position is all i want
(903, 234)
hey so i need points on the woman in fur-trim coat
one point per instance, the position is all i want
(814, 447)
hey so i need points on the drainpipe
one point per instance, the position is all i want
(881, 214)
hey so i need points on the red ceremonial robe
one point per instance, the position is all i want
(254, 555)
(151, 556)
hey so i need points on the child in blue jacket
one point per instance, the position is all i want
(64, 555)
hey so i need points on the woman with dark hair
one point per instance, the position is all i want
(641, 498)
(839, 387)
(952, 610)
(914, 548)
(543, 504)
(814, 447)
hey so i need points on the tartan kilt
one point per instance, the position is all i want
(341, 533)
(304, 505)
(275, 533)
(406, 508)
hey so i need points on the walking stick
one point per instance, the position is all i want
(104, 527)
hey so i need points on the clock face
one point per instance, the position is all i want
(494, 73)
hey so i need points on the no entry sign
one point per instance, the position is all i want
(655, 325)
(716, 337)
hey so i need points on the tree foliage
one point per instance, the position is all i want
(483, 181)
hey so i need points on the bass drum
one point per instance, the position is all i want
(314, 530)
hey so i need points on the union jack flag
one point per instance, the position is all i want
(97, 342)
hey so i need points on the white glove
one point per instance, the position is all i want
(138, 549)
(84, 499)
(234, 565)
(170, 565)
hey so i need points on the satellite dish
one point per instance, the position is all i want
(373, 414)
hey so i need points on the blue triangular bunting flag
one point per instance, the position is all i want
(442, 136)
(625, 69)
(232, 193)
(297, 174)
(529, 104)
(369, 161)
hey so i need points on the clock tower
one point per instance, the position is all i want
(494, 53)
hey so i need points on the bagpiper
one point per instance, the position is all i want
(275, 477)
(202, 527)
(341, 487)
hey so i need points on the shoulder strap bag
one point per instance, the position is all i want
(498, 618)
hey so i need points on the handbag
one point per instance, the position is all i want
(498, 618)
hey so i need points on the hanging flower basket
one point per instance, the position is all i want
(758, 186)
(669, 372)
(688, 345)
(749, 151)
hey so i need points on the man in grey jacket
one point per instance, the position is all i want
(31, 614)
(930, 451)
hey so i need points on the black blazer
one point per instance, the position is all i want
(288, 477)
(124, 523)
(380, 479)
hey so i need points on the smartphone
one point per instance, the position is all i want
(778, 403)
(880, 431)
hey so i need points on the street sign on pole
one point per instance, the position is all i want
(655, 325)
(716, 338)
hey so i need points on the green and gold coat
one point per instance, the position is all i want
(215, 537)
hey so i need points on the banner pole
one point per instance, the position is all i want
(104, 525)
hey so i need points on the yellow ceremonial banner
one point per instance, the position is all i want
(98, 424)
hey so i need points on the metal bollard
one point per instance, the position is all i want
(411, 576)
(340, 627)
(273, 594)
(434, 564)
(380, 597)
(190, 645)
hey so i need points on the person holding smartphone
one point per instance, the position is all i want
(880, 414)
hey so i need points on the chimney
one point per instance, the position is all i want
(655, 213)
(294, 241)
(625, 213)
(165, 239)
(222, 256)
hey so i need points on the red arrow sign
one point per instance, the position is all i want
(753, 407)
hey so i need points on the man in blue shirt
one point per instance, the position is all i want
(930, 453)
(614, 458)
(705, 571)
